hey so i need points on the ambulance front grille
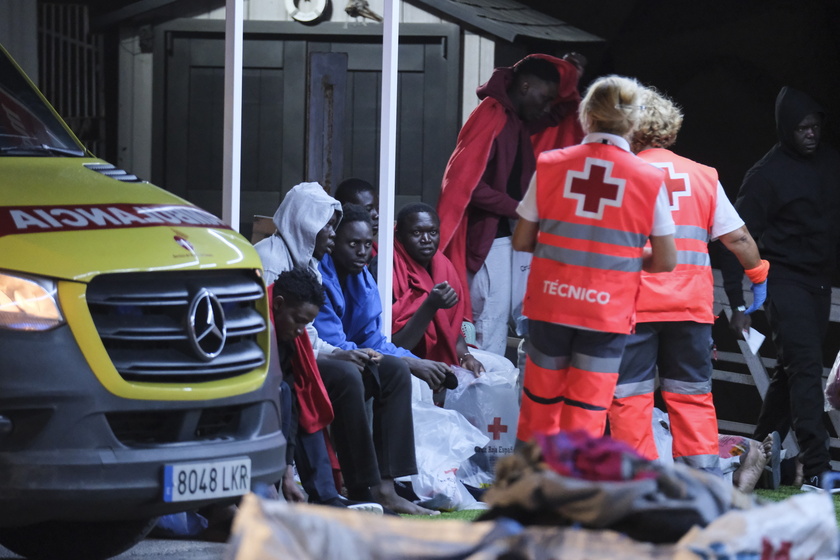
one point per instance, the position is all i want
(152, 324)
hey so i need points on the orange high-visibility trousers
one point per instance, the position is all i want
(570, 377)
(694, 428)
(542, 400)
(631, 421)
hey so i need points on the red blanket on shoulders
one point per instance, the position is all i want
(468, 161)
(316, 411)
(315, 408)
(464, 170)
(412, 284)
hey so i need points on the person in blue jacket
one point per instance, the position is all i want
(351, 319)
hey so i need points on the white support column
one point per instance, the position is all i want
(387, 160)
(232, 148)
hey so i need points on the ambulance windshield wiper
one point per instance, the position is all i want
(41, 149)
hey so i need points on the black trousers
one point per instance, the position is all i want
(799, 316)
(385, 451)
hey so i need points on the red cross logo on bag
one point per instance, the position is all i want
(678, 184)
(594, 188)
(497, 428)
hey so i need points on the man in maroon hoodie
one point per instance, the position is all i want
(487, 175)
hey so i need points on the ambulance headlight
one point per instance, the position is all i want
(28, 304)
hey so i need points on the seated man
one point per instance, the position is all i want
(428, 310)
(361, 192)
(352, 316)
(296, 296)
(306, 221)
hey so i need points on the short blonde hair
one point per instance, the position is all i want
(612, 105)
(659, 124)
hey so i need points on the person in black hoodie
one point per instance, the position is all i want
(790, 202)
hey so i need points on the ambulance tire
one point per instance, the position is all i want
(71, 540)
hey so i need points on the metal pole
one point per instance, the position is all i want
(232, 148)
(387, 159)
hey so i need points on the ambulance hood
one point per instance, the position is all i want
(63, 217)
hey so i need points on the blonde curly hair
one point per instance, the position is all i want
(612, 105)
(659, 124)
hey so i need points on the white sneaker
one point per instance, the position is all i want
(369, 507)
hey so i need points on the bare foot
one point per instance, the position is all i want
(387, 497)
(752, 465)
(799, 477)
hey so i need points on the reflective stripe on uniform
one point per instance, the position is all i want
(624, 390)
(691, 232)
(695, 258)
(593, 233)
(596, 364)
(587, 259)
(681, 387)
(703, 462)
(544, 360)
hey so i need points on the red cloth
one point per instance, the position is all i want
(568, 131)
(314, 406)
(412, 284)
(473, 150)
(576, 454)
(464, 170)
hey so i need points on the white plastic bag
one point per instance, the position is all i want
(489, 402)
(832, 387)
(443, 439)
(800, 527)
(662, 436)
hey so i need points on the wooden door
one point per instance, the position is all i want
(189, 95)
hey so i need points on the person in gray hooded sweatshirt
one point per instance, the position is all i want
(306, 221)
(790, 202)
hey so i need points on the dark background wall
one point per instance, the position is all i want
(724, 62)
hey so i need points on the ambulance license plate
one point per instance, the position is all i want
(184, 482)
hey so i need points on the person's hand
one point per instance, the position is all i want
(739, 323)
(373, 356)
(433, 373)
(291, 491)
(443, 296)
(359, 357)
(471, 363)
(759, 297)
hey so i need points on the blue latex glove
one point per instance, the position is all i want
(759, 295)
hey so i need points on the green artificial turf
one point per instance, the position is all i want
(781, 493)
(784, 492)
(464, 515)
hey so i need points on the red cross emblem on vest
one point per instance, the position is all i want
(594, 188)
(497, 428)
(678, 184)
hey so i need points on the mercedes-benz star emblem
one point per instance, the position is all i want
(206, 328)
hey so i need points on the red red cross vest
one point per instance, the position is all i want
(687, 292)
(595, 204)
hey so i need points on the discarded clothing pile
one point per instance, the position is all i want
(599, 483)
(564, 496)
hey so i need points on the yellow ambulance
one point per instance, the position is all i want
(134, 346)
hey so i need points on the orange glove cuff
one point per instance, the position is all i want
(758, 274)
